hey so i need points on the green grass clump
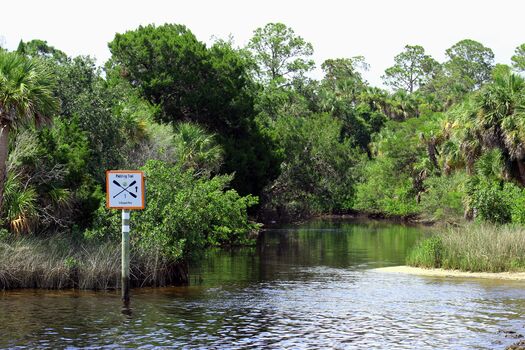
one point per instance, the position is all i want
(477, 248)
(427, 253)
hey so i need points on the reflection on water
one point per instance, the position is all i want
(311, 287)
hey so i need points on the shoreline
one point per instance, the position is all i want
(418, 271)
(412, 220)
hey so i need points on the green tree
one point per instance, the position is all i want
(343, 79)
(85, 96)
(186, 81)
(26, 96)
(393, 181)
(345, 95)
(280, 53)
(40, 48)
(318, 169)
(471, 62)
(493, 118)
(518, 60)
(412, 69)
(177, 73)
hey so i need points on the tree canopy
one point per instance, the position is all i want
(412, 69)
(280, 54)
(187, 81)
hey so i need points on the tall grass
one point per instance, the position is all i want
(476, 247)
(58, 262)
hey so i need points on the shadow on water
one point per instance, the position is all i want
(310, 286)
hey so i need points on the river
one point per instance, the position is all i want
(309, 287)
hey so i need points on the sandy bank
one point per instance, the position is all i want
(515, 276)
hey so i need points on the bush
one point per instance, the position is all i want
(491, 202)
(384, 193)
(515, 197)
(392, 181)
(444, 197)
(318, 169)
(183, 215)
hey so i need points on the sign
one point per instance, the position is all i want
(125, 189)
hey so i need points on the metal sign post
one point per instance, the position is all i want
(125, 190)
(125, 256)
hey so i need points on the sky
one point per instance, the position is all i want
(375, 29)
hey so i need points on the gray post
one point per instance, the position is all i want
(125, 256)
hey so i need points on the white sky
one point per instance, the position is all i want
(376, 29)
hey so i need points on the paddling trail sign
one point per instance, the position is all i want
(125, 189)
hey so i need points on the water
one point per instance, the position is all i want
(307, 288)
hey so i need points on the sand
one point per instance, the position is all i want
(514, 276)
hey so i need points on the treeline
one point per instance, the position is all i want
(223, 132)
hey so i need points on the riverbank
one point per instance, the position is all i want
(438, 272)
(358, 216)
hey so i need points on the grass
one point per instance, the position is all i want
(474, 247)
(57, 262)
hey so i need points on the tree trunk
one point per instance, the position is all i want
(4, 149)
(521, 169)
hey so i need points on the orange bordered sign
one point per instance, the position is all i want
(125, 189)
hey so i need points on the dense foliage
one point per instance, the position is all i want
(317, 171)
(187, 81)
(217, 127)
(184, 214)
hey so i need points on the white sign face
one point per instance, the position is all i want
(125, 189)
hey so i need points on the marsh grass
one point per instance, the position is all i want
(58, 262)
(476, 247)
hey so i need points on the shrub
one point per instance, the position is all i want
(491, 202)
(183, 215)
(516, 198)
(318, 168)
(383, 192)
(444, 197)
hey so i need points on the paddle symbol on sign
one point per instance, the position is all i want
(125, 189)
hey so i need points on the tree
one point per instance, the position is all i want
(85, 96)
(412, 69)
(343, 78)
(26, 96)
(494, 119)
(518, 60)
(345, 95)
(186, 81)
(338, 69)
(40, 48)
(169, 66)
(280, 53)
(392, 181)
(318, 169)
(470, 62)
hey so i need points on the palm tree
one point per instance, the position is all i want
(494, 118)
(197, 149)
(501, 120)
(26, 96)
